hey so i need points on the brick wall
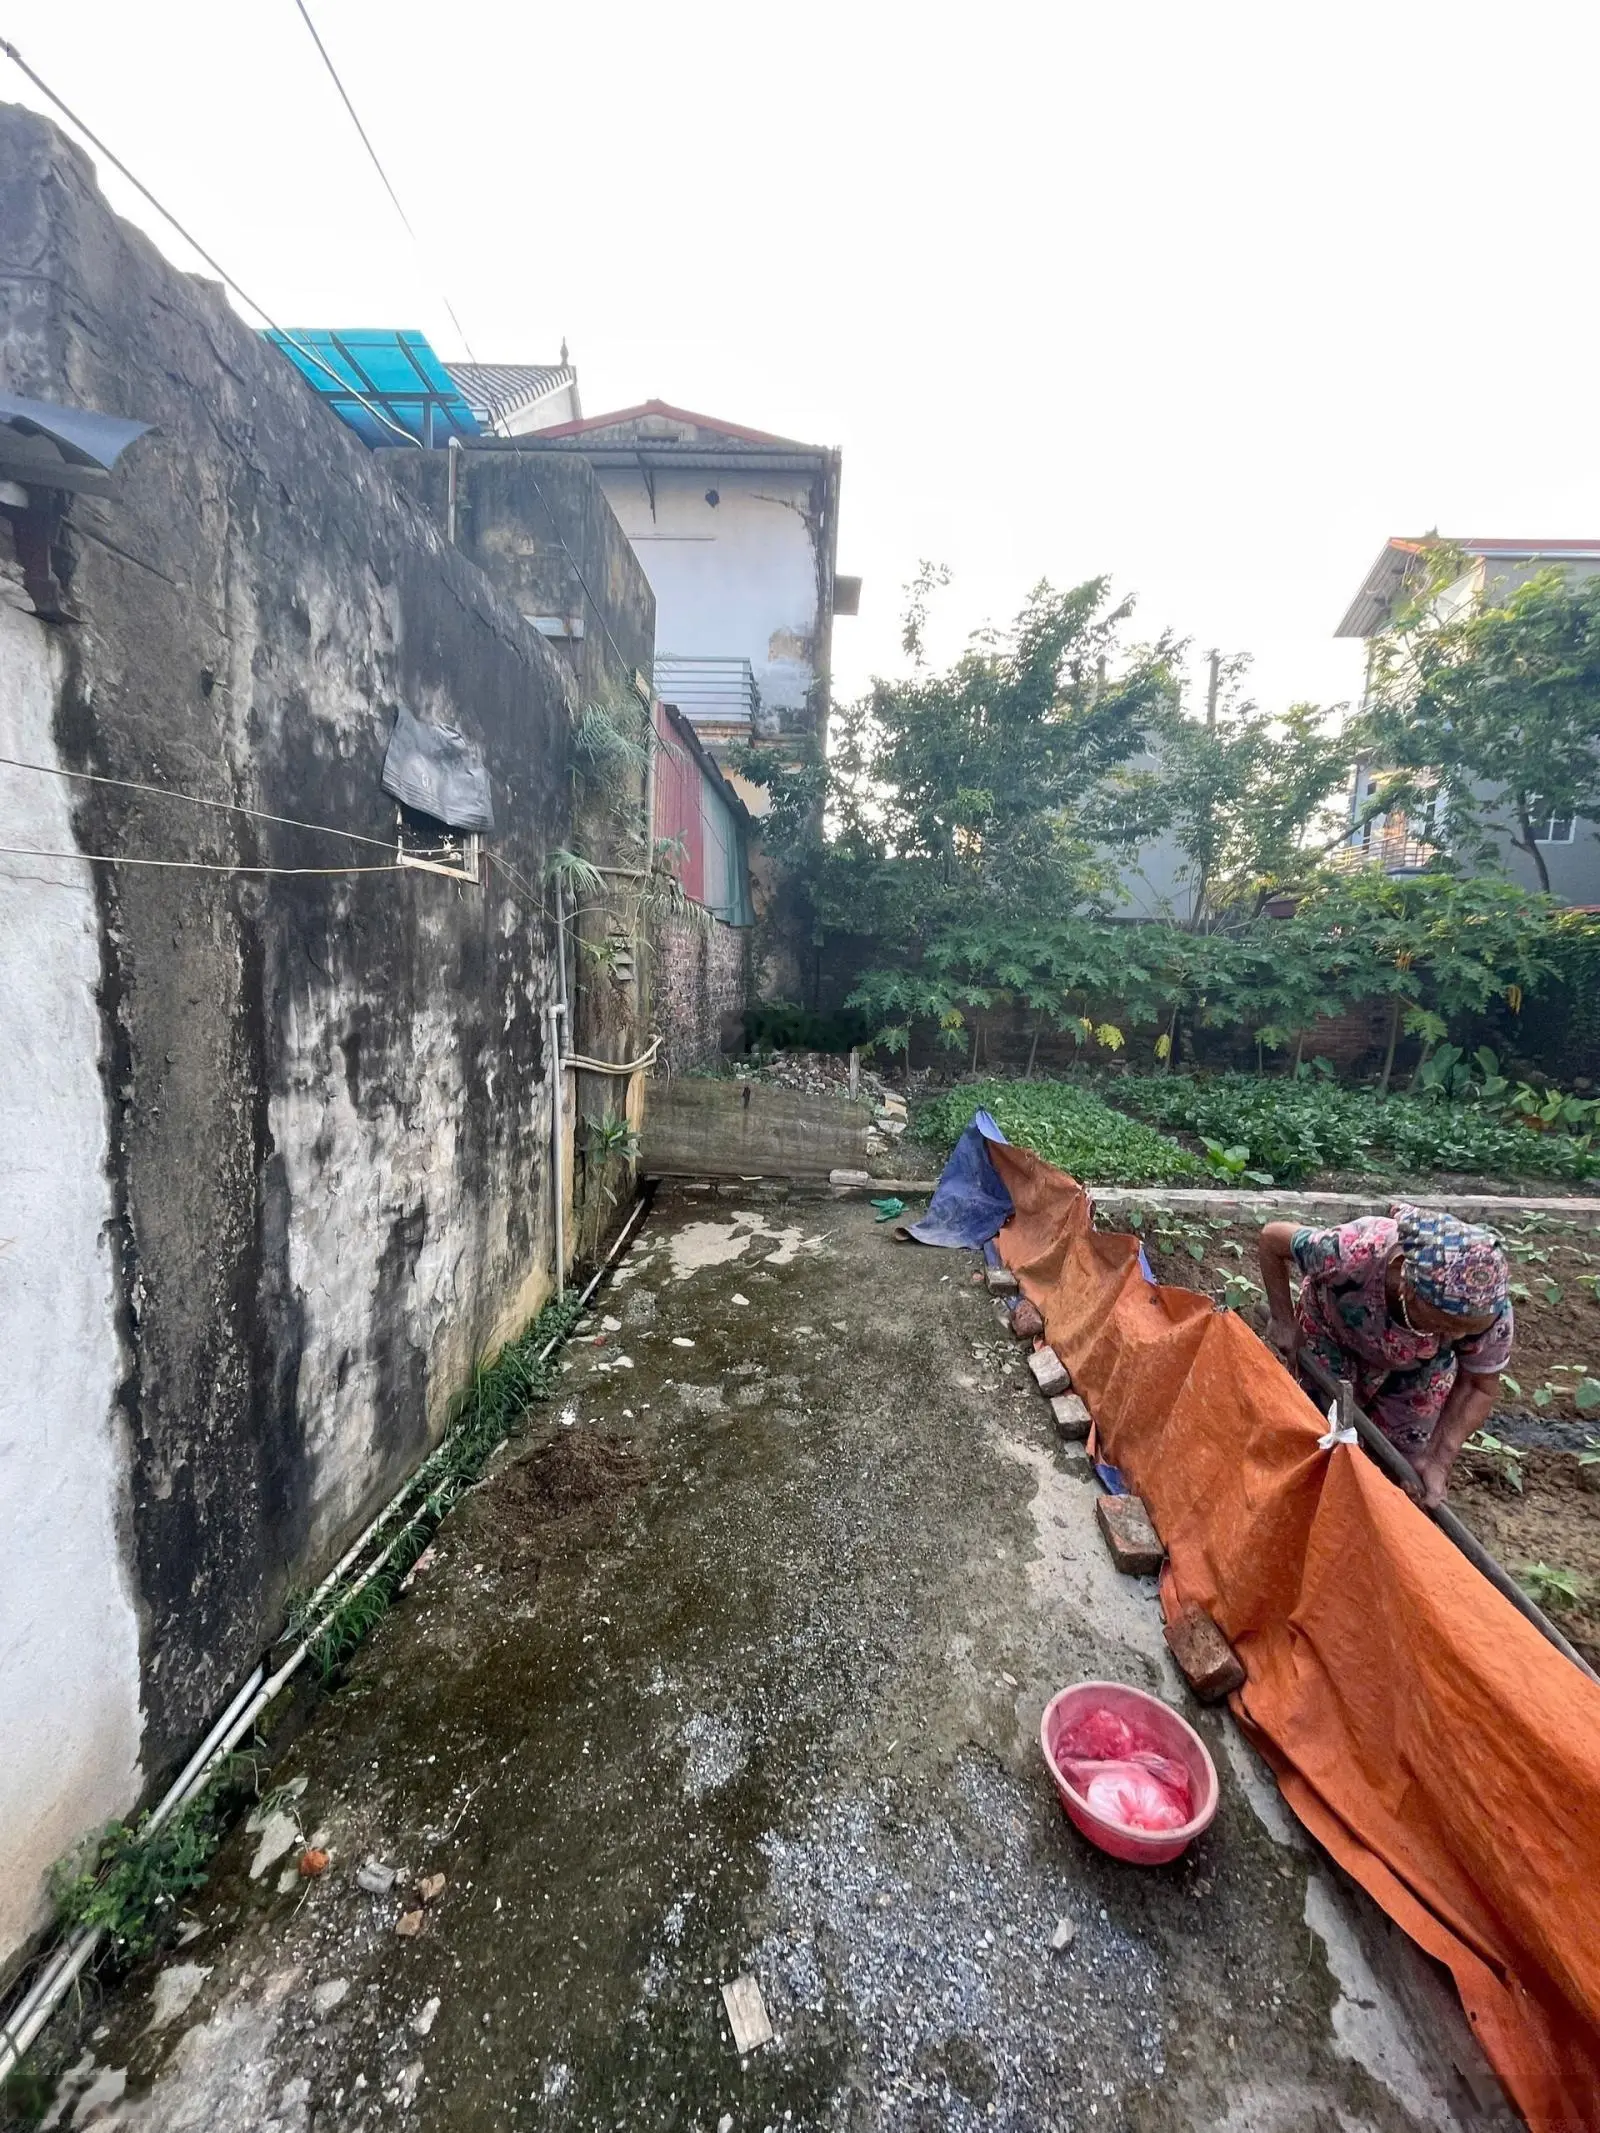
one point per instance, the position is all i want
(700, 983)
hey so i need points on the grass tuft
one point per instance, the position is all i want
(492, 1409)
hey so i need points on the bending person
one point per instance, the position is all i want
(1413, 1307)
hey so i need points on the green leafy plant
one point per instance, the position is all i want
(1505, 1461)
(1549, 1585)
(1295, 1127)
(1230, 1163)
(1238, 1291)
(1068, 1125)
(130, 1880)
(1448, 1075)
(608, 751)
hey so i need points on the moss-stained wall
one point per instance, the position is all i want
(285, 1134)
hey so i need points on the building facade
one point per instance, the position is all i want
(737, 531)
(1405, 843)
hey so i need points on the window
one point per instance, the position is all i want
(1552, 829)
(423, 841)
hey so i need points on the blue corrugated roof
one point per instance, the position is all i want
(395, 371)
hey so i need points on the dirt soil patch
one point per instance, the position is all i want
(1554, 1521)
(557, 1496)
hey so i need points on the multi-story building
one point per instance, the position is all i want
(1404, 843)
(737, 531)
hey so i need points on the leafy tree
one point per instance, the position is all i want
(1244, 794)
(1438, 946)
(953, 830)
(1490, 712)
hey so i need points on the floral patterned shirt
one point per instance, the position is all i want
(1344, 1307)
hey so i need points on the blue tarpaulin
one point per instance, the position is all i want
(969, 1202)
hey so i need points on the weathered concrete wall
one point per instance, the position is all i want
(541, 527)
(704, 1128)
(274, 1146)
(701, 982)
(68, 1610)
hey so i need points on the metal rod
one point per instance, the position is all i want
(1400, 1471)
(452, 478)
(558, 1097)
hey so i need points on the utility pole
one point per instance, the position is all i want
(1212, 688)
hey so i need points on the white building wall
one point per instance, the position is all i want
(546, 414)
(734, 579)
(70, 1714)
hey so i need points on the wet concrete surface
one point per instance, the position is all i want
(734, 1667)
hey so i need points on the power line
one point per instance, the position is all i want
(166, 792)
(195, 866)
(194, 243)
(355, 120)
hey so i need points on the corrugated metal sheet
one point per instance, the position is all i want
(496, 392)
(695, 809)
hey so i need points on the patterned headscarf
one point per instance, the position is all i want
(1455, 1266)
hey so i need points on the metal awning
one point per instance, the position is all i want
(55, 447)
(394, 371)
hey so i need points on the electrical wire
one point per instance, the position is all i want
(195, 866)
(503, 866)
(216, 266)
(166, 792)
(366, 143)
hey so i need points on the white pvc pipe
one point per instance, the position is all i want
(41, 1999)
(50, 1987)
(558, 1185)
(614, 1066)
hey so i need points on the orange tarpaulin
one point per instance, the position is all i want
(1424, 1732)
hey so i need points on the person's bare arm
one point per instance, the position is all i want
(1277, 1256)
(1471, 1403)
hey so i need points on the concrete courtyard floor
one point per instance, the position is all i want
(734, 1666)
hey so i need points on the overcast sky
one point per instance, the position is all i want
(1211, 298)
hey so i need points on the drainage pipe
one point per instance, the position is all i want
(55, 1979)
(558, 1187)
(42, 1998)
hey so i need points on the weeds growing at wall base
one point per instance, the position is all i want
(131, 1881)
(490, 1410)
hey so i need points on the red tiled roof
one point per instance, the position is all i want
(673, 414)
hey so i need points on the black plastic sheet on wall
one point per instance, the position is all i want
(437, 771)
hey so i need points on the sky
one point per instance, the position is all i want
(1210, 299)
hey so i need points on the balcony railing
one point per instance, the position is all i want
(709, 692)
(1393, 845)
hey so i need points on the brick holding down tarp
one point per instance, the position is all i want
(1427, 1735)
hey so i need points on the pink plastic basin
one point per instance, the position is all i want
(1164, 1731)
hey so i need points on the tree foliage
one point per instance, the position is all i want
(961, 848)
(1244, 795)
(1489, 711)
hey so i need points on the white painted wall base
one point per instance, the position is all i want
(69, 1633)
